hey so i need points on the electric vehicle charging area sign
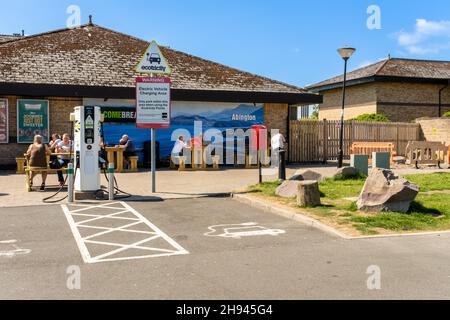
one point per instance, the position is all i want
(153, 103)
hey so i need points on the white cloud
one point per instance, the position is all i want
(427, 37)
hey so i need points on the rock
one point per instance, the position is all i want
(385, 191)
(308, 193)
(302, 175)
(288, 189)
(346, 172)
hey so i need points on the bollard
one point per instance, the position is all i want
(70, 174)
(111, 181)
(282, 164)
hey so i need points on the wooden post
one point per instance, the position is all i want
(325, 141)
(308, 193)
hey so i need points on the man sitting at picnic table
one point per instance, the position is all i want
(37, 155)
(65, 148)
(129, 148)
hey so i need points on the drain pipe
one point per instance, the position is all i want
(440, 97)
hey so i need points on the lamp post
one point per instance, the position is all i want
(345, 53)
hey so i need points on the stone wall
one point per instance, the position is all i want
(60, 109)
(436, 129)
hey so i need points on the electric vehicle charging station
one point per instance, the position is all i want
(87, 138)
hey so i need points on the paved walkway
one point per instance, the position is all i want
(170, 184)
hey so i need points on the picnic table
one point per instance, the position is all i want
(115, 155)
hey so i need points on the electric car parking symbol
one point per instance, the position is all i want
(154, 58)
(237, 231)
(9, 249)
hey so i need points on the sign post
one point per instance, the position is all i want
(153, 110)
(153, 97)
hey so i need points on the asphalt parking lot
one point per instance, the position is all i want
(211, 248)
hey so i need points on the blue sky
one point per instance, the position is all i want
(287, 40)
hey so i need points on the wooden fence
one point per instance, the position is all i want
(318, 141)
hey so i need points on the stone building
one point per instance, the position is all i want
(401, 89)
(95, 65)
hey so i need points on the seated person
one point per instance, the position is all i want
(178, 148)
(129, 148)
(56, 138)
(65, 147)
(37, 155)
(102, 154)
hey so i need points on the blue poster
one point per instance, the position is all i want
(220, 116)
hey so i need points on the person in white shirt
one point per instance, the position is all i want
(277, 143)
(180, 144)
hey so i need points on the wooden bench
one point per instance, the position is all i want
(28, 170)
(369, 147)
(133, 163)
(425, 152)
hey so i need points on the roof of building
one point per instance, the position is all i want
(5, 37)
(91, 55)
(389, 69)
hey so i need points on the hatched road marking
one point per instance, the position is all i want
(83, 218)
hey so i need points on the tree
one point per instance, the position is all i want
(447, 114)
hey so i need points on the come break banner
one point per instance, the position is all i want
(32, 119)
(3, 121)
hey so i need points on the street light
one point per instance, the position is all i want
(345, 53)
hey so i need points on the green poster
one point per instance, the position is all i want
(32, 119)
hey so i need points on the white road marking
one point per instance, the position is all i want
(15, 251)
(236, 231)
(83, 242)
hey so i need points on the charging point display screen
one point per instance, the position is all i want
(89, 120)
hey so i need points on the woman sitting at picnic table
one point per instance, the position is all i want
(37, 155)
(65, 148)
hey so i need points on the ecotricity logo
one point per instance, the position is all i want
(153, 61)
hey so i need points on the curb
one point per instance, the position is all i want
(311, 222)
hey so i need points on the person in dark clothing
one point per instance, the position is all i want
(130, 150)
(37, 154)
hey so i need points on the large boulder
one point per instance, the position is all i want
(346, 172)
(385, 191)
(288, 189)
(306, 175)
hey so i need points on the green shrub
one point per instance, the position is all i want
(374, 117)
(447, 114)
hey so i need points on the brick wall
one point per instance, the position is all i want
(60, 109)
(276, 117)
(437, 129)
(359, 99)
(400, 102)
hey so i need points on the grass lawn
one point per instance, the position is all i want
(429, 212)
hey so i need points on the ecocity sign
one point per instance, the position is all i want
(153, 61)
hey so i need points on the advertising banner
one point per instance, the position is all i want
(4, 137)
(152, 103)
(32, 119)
